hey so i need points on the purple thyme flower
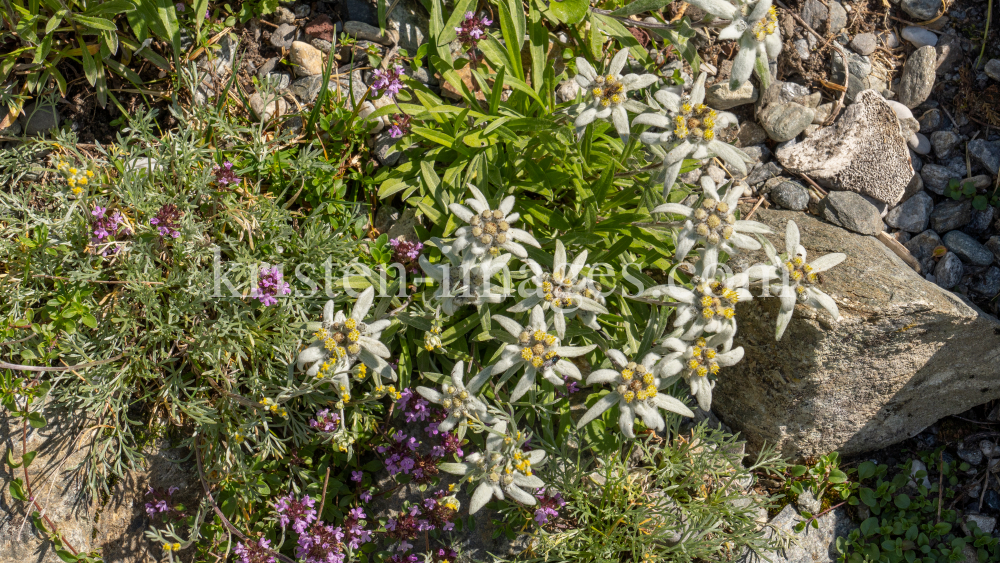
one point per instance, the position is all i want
(406, 253)
(300, 512)
(357, 476)
(259, 552)
(224, 175)
(399, 126)
(472, 30)
(366, 496)
(548, 506)
(388, 82)
(271, 284)
(325, 421)
(166, 221)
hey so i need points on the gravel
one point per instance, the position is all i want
(949, 271)
(852, 212)
(936, 177)
(921, 10)
(284, 36)
(992, 69)
(930, 121)
(919, 36)
(967, 248)
(987, 154)
(864, 43)
(950, 215)
(917, 80)
(943, 142)
(790, 195)
(913, 215)
(919, 143)
(986, 283)
(785, 121)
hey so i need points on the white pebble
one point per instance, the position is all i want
(919, 36)
(902, 112)
(919, 143)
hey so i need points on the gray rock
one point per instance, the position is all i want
(857, 65)
(919, 144)
(992, 69)
(936, 177)
(852, 212)
(864, 43)
(716, 174)
(822, 112)
(993, 244)
(812, 545)
(974, 456)
(785, 121)
(808, 503)
(790, 195)
(691, 177)
(763, 173)
(359, 10)
(916, 163)
(949, 271)
(986, 283)
(284, 36)
(950, 214)
(944, 142)
(913, 215)
(361, 30)
(916, 467)
(12, 130)
(385, 149)
(967, 248)
(113, 529)
(302, 10)
(39, 117)
(307, 88)
(801, 49)
(982, 521)
(266, 67)
(930, 121)
(921, 10)
(410, 19)
(864, 152)
(278, 80)
(321, 44)
(308, 59)
(949, 53)
(987, 154)
(890, 38)
(838, 18)
(750, 134)
(757, 153)
(922, 248)
(981, 219)
(719, 96)
(284, 15)
(920, 37)
(813, 391)
(267, 108)
(815, 13)
(917, 80)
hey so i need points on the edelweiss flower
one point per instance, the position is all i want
(755, 24)
(609, 93)
(341, 341)
(489, 230)
(714, 225)
(502, 470)
(536, 350)
(561, 291)
(463, 282)
(795, 279)
(698, 362)
(459, 400)
(709, 306)
(636, 391)
(690, 131)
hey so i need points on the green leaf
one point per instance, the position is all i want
(641, 6)
(433, 135)
(902, 502)
(54, 21)
(67, 556)
(447, 33)
(798, 470)
(569, 12)
(36, 420)
(112, 7)
(513, 36)
(89, 65)
(27, 458)
(95, 23)
(868, 497)
(837, 476)
(869, 526)
(866, 470)
(497, 93)
(17, 490)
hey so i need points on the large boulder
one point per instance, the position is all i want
(113, 526)
(905, 354)
(865, 151)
